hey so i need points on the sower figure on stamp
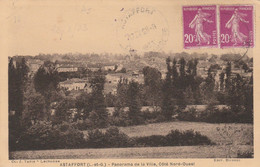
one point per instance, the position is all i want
(197, 22)
(233, 23)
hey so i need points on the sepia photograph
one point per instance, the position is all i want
(107, 80)
(154, 105)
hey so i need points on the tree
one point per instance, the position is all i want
(110, 100)
(182, 69)
(192, 94)
(84, 106)
(21, 79)
(46, 81)
(34, 106)
(12, 106)
(120, 116)
(17, 78)
(152, 85)
(175, 74)
(245, 67)
(167, 103)
(182, 84)
(208, 89)
(221, 79)
(249, 99)
(62, 110)
(133, 102)
(46, 78)
(194, 72)
(12, 86)
(100, 114)
(236, 96)
(122, 87)
(228, 76)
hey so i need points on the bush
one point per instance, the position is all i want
(215, 115)
(111, 138)
(115, 138)
(81, 125)
(43, 135)
(87, 124)
(68, 137)
(147, 115)
(218, 116)
(187, 138)
(227, 115)
(120, 119)
(95, 139)
(150, 141)
(191, 115)
(174, 138)
(97, 119)
(153, 117)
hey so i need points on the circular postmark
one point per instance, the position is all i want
(142, 29)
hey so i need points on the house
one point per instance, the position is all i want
(113, 79)
(94, 67)
(67, 69)
(110, 88)
(74, 84)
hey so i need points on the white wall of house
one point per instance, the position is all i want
(73, 86)
(67, 69)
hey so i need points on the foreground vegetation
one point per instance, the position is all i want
(43, 136)
(240, 143)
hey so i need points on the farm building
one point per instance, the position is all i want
(74, 84)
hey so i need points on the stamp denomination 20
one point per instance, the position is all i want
(236, 26)
(200, 26)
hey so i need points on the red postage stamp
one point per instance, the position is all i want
(200, 26)
(236, 26)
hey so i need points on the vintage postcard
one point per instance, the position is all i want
(141, 83)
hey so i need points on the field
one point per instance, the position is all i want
(245, 136)
(230, 138)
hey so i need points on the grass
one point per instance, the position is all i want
(125, 153)
(243, 141)
(207, 129)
